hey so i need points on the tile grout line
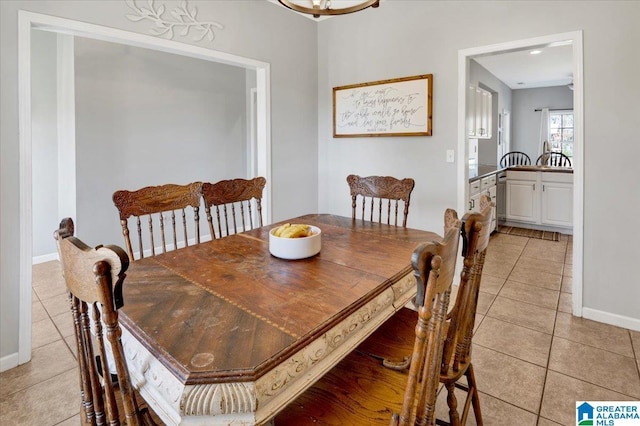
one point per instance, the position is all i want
(64, 341)
(633, 351)
(594, 384)
(66, 293)
(546, 371)
(548, 357)
(40, 382)
(538, 416)
(534, 304)
(502, 286)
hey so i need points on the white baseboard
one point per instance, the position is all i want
(8, 362)
(44, 258)
(612, 319)
(54, 256)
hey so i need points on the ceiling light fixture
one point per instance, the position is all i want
(325, 7)
(535, 52)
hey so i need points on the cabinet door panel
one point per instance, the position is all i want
(493, 191)
(471, 111)
(474, 202)
(486, 113)
(522, 201)
(557, 204)
(501, 196)
(479, 112)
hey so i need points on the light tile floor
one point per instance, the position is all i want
(533, 360)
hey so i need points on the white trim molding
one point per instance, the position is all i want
(612, 319)
(464, 56)
(8, 362)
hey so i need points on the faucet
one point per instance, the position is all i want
(546, 150)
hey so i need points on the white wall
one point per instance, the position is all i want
(148, 118)
(399, 38)
(403, 38)
(45, 142)
(252, 29)
(526, 121)
(132, 106)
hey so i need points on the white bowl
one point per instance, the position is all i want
(296, 248)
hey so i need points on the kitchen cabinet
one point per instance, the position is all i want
(542, 198)
(481, 186)
(557, 199)
(522, 198)
(488, 185)
(479, 109)
(501, 196)
(473, 154)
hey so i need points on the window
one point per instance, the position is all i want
(561, 132)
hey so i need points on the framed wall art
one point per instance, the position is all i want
(395, 107)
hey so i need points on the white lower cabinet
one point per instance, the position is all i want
(481, 186)
(474, 202)
(543, 198)
(557, 204)
(522, 201)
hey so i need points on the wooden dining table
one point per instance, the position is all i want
(223, 332)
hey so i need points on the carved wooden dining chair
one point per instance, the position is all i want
(94, 279)
(238, 205)
(391, 343)
(359, 390)
(165, 207)
(554, 159)
(375, 198)
(515, 158)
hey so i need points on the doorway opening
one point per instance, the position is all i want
(27, 21)
(464, 58)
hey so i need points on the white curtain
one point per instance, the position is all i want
(543, 142)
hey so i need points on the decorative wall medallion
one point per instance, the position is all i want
(184, 18)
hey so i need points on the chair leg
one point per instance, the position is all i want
(452, 402)
(475, 400)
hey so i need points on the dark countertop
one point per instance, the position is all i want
(482, 170)
(485, 170)
(553, 169)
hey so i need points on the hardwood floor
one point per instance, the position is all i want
(533, 360)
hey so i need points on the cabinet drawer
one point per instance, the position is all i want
(488, 182)
(516, 175)
(474, 187)
(557, 177)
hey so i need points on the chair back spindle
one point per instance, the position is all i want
(237, 203)
(159, 203)
(456, 357)
(94, 279)
(553, 159)
(515, 158)
(454, 353)
(381, 195)
(434, 268)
